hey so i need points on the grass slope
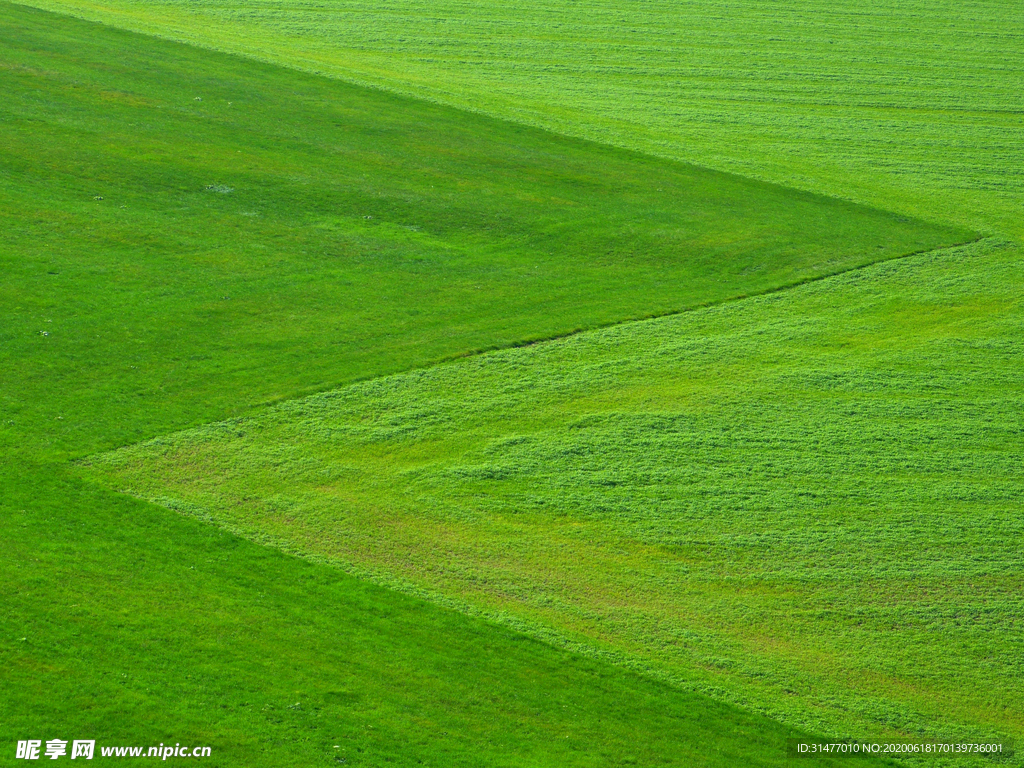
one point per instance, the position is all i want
(127, 624)
(914, 105)
(809, 502)
(290, 232)
(165, 304)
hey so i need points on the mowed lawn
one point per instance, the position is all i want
(134, 626)
(809, 502)
(185, 235)
(185, 229)
(912, 105)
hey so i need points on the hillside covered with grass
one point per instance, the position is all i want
(189, 228)
(809, 500)
(167, 262)
(461, 420)
(911, 105)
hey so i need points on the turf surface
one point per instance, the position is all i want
(196, 228)
(125, 322)
(912, 105)
(811, 500)
(132, 626)
(168, 261)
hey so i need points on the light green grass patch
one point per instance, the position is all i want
(808, 502)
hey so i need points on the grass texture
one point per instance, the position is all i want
(912, 105)
(127, 624)
(169, 261)
(184, 227)
(808, 502)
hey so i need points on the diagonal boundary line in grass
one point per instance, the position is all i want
(821, 110)
(949, 257)
(531, 628)
(727, 300)
(995, 240)
(602, 235)
(468, 109)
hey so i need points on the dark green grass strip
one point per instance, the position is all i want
(197, 233)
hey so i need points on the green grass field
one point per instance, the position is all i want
(290, 233)
(911, 105)
(809, 500)
(132, 626)
(793, 509)
(141, 296)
